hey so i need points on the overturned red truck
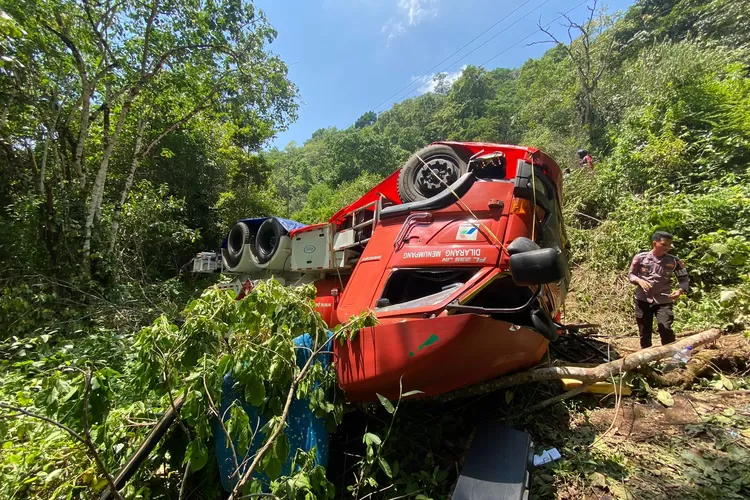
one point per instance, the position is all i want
(461, 254)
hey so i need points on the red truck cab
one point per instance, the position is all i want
(461, 254)
(437, 273)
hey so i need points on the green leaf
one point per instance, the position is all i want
(411, 393)
(509, 397)
(196, 454)
(70, 394)
(386, 468)
(255, 391)
(371, 439)
(302, 482)
(53, 475)
(238, 427)
(665, 398)
(719, 248)
(728, 385)
(727, 297)
(386, 404)
(224, 364)
(281, 447)
(273, 469)
(100, 484)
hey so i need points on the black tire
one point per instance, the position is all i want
(268, 239)
(416, 182)
(238, 237)
(544, 325)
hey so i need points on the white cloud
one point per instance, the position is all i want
(417, 10)
(393, 29)
(428, 83)
(410, 13)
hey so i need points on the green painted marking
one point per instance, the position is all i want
(431, 340)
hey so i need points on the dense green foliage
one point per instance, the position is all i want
(128, 142)
(97, 98)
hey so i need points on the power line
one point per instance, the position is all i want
(507, 48)
(531, 34)
(456, 52)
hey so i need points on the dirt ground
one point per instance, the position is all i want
(640, 448)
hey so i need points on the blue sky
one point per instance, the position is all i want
(349, 56)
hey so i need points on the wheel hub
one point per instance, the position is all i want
(446, 172)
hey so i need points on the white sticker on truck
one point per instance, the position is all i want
(467, 231)
(422, 255)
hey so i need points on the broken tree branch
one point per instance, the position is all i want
(586, 375)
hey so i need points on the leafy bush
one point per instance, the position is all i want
(684, 118)
(323, 201)
(159, 241)
(126, 380)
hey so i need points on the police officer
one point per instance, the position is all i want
(652, 273)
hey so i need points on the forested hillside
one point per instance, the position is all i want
(134, 133)
(660, 97)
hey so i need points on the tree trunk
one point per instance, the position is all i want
(97, 190)
(586, 375)
(38, 183)
(126, 188)
(45, 150)
(51, 232)
(4, 115)
(83, 133)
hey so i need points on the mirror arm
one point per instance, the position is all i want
(454, 306)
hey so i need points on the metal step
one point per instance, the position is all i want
(497, 466)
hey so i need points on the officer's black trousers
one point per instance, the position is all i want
(644, 316)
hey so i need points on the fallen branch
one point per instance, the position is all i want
(704, 364)
(586, 375)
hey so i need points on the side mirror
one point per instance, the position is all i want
(521, 245)
(537, 267)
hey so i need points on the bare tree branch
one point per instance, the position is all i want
(147, 36)
(586, 375)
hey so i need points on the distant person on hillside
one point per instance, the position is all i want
(585, 160)
(652, 273)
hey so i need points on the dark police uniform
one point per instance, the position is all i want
(658, 272)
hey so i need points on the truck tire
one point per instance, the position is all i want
(238, 237)
(416, 182)
(267, 240)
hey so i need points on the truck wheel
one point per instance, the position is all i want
(417, 182)
(238, 237)
(267, 240)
